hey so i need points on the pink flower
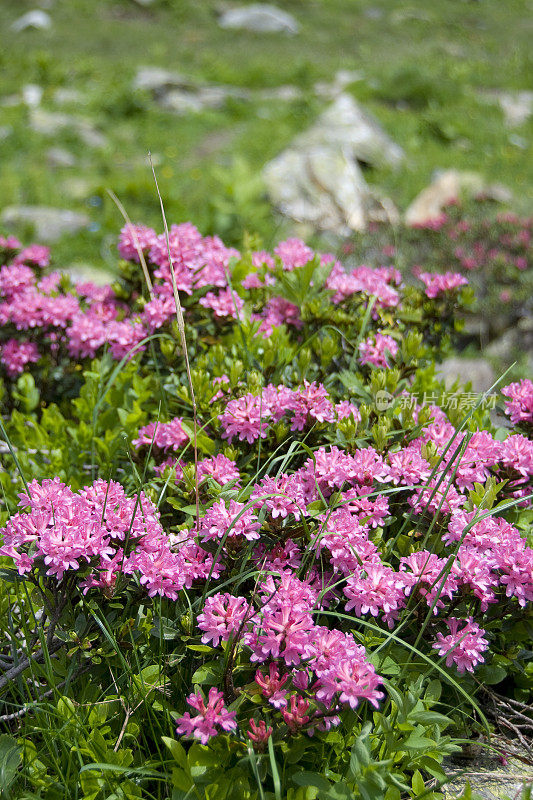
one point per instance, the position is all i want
(36, 254)
(520, 405)
(226, 303)
(462, 647)
(235, 521)
(16, 354)
(295, 717)
(209, 719)
(259, 734)
(437, 284)
(272, 686)
(165, 435)
(222, 617)
(132, 236)
(374, 350)
(293, 253)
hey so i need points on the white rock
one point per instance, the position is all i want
(517, 107)
(49, 224)
(65, 97)
(49, 123)
(59, 157)
(449, 185)
(346, 126)
(259, 18)
(324, 188)
(156, 79)
(317, 180)
(32, 19)
(476, 371)
(32, 95)
(86, 273)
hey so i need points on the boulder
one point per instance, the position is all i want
(476, 371)
(317, 180)
(517, 107)
(49, 224)
(86, 273)
(176, 92)
(259, 18)
(32, 95)
(32, 19)
(59, 157)
(447, 186)
(49, 123)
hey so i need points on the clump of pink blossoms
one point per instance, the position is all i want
(520, 405)
(210, 719)
(462, 646)
(16, 355)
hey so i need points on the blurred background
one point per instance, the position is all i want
(216, 91)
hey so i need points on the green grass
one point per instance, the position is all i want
(424, 66)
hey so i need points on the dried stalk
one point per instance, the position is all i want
(181, 328)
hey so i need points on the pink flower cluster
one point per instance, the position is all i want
(520, 405)
(437, 283)
(100, 535)
(463, 646)
(250, 416)
(209, 719)
(16, 354)
(163, 435)
(374, 350)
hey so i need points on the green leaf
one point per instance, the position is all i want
(177, 750)
(312, 779)
(10, 758)
(418, 782)
(209, 674)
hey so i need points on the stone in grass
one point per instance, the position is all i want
(32, 19)
(259, 18)
(86, 273)
(49, 224)
(50, 123)
(447, 186)
(476, 371)
(317, 181)
(59, 157)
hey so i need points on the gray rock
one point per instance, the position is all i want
(517, 107)
(65, 97)
(49, 123)
(156, 79)
(259, 18)
(59, 157)
(49, 224)
(32, 95)
(176, 92)
(317, 180)
(487, 776)
(477, 371)
(345, 125)
(86, 273)
(343, 78)
(32, 19)
(450, 185)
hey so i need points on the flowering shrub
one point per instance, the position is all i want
(260, 565)
(493, 251)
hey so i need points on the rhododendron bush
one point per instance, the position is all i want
(281, 569)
